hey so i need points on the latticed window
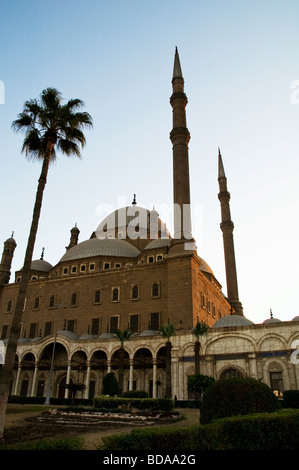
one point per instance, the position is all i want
(48, 328)
(97, 297)
(113, 324)
(95, 325)
(52, 301)
(231, 373)
(115, 294)
(36, 303)
(32, 330)
(155, 290)
(74, 299)
(134, 320)
(155, 321)
(71, 325)
(135, 292)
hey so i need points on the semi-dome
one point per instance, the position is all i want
(232, 320)
(158, 243)
(106, 247)
(204, 266)
(296, 318)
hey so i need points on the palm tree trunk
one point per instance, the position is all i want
(15, 329)
(168, 392)
(196, 357)
(121, 370)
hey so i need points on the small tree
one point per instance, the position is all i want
(75, 387)
(199, 330)
(199, 383)
(110, 385)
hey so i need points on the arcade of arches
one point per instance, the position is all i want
(55, 361)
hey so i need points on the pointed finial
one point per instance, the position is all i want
(177, 71)
(271, 314)
(42, 255)
(134, 200)
(12, 234)
(221, 173)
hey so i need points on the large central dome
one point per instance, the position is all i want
(106, 247)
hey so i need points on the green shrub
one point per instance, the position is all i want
(153, 404)
(157, 439)
(291, 399)
(110, 385)
(135, 394)
(262, 431)
(48, 444)
(233, 397)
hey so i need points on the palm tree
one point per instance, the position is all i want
(167, 331)
(122, 335)
(49, 127)
(75, 387)
(199, 330)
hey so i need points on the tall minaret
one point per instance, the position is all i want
(6, 260)
(180, 137)
(227, 228)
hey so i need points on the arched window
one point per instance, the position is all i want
(36, 303)
(52, 301)
(115, 294)
(97, 297)
(135, 292)
(155, 290)
(74, 299)
(231, 373)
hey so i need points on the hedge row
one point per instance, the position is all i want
(161, 404)
(262, 431)
(54, 401)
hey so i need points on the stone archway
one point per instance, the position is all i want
(143, 368)
(98, 369)
(54, 363)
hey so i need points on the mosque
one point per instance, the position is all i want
(133, 274)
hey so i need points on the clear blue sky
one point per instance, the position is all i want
(239, 59)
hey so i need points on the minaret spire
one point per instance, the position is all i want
(227, 228)
(180, 137)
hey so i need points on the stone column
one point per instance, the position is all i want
(34, 379)
(68, 377)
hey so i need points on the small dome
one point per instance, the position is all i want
(296, 318)
(87, 337)
(41, 265)
(148, 333)
(34, 340)
(271, 320)
(106, 336)
(158, 243)
(231, 321)
(23, 340)
(97, 247)
(67, 334)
